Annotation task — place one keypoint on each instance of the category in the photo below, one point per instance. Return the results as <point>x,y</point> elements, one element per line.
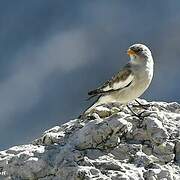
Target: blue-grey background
<point>52,52</point>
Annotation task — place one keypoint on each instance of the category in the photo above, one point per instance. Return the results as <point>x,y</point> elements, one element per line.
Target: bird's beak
<point>130,52</point>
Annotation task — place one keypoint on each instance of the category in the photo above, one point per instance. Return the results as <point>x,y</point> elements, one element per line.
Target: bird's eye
<point>138,50</point>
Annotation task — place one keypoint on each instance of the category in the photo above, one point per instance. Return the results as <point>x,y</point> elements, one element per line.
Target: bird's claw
<point>139,115</point>
<point>135,114</point>
<point>144,106</point>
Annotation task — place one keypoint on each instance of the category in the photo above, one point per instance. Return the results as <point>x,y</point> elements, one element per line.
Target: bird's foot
<point>144,106</point>
<point>134,113</point>
<point>140,115</point>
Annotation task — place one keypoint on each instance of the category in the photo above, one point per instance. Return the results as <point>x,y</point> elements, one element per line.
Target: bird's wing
<point>119,81</point>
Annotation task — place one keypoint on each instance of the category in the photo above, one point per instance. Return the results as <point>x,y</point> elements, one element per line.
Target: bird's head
<point>139,52</point>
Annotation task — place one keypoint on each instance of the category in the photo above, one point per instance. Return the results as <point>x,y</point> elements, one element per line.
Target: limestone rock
<point>109,144</point>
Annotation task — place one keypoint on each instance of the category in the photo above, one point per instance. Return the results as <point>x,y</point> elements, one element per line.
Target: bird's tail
<point>94,92</point>
<point>91,107</point>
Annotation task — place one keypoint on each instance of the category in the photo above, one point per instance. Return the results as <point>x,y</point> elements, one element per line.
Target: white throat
<point>133,59</point>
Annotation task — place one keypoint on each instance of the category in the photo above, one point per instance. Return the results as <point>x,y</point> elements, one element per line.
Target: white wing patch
<point>118,84</point>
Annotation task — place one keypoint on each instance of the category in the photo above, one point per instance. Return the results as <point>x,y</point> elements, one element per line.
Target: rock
<point>164,152</point>
<point>155,130</point>
<point>108,144</point>
<point>177,151</point>
<point>101,133</point>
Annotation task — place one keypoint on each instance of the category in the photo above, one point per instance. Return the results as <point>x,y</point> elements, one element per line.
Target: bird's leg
<point>135,114</point>
<point>141,116</point>
<point>144,106</point>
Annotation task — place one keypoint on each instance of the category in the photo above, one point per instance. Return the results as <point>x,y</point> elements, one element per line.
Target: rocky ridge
<point>109,143</point>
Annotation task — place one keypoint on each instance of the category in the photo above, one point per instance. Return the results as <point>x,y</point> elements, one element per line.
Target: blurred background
<point>53,52</point>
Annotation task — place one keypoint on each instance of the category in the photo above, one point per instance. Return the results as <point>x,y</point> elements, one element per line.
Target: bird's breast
<point>140,83</point>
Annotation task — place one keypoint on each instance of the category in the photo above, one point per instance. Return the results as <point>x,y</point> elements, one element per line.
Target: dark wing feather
<point>119,81</point>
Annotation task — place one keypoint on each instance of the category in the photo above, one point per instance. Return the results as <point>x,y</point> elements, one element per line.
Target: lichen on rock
<point>109,143</point>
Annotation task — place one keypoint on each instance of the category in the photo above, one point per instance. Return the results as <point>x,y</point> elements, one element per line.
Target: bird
<point>130,82</point>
